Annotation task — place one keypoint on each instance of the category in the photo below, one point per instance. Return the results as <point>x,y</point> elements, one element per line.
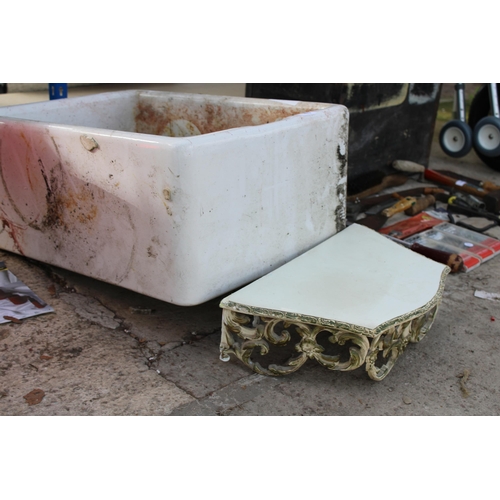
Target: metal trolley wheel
<point>486,136</point>
<point>455,138</point>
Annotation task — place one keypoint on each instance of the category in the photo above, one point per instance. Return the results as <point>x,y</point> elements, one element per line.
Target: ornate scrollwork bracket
<point>245,334</point>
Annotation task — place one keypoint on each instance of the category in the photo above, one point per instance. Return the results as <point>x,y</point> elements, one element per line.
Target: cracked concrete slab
<point>144,316</point>
<point>91,310</point>
<point>228,398</point>
<point>84,365</point>
<point>196,368</point>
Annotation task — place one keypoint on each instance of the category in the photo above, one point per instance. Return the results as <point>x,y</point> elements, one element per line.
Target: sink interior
<point>160,113</point>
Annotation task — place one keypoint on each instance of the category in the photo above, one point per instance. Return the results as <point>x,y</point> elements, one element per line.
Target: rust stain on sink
<point>14,233</point>
<point>65,205</point>
<point>64,208</point>
<point>40,193</point>
<point>177,120</point>
<point>45,201</point>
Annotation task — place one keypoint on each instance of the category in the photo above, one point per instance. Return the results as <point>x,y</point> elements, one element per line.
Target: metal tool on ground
<point>388,181</point>
<point>457,205</point>
<point>468,200</point>
<point>421,204</point>
<point>409,167</point>
<point>455,137</point>
<point>461,185</point>
<point>410,205</point>
<point>491,198</point>
<point>452,260</point>
<point>376,209</point>
<point>487,185</point>
<point>369,205</point>
<point>378,220</point>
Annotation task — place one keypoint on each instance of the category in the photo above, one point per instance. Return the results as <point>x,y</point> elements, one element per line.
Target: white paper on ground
<point>487,295</point>
<point>18,301</point>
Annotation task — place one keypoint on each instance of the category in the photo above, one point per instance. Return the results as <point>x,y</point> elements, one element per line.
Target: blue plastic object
<point>58,90</point>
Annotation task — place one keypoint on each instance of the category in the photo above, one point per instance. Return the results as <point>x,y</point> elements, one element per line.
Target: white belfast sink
<point>182,197</point>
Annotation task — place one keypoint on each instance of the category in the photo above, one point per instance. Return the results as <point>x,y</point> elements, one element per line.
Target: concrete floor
<point>97,356</point>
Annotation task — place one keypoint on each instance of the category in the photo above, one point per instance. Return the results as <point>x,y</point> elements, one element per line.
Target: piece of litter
<point>463,379</point>
<point>487,295</point>
<point>34,397</point>
<point>141,310</point>
<point>18,301</point>
<point>406,401</point>
<point>11,318</point>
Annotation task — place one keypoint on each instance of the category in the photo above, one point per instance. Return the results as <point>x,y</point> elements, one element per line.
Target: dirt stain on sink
<point>174,119</point>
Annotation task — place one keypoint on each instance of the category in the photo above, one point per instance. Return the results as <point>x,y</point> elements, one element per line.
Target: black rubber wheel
<point>455,138</point>
<point>486,136</point>
<point>479,109</point>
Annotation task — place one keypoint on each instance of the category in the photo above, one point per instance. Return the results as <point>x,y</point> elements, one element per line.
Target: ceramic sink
<point>182,197</point>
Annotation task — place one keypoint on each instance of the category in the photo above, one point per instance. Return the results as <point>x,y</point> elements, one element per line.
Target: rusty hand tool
<point>458,184</point>
<point>452,260</point>
<point>378,220</point>
<point>366,204</point>
<point>421,204</point>
<point>491,198</point>
<point>487,185</point>
<point>388,181</point>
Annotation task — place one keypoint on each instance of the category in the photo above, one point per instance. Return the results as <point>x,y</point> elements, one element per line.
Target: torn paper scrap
<point>18,301</point>
<point>487,295</point>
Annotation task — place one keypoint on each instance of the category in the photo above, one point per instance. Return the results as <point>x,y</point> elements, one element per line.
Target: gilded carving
<point>244,335</point>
